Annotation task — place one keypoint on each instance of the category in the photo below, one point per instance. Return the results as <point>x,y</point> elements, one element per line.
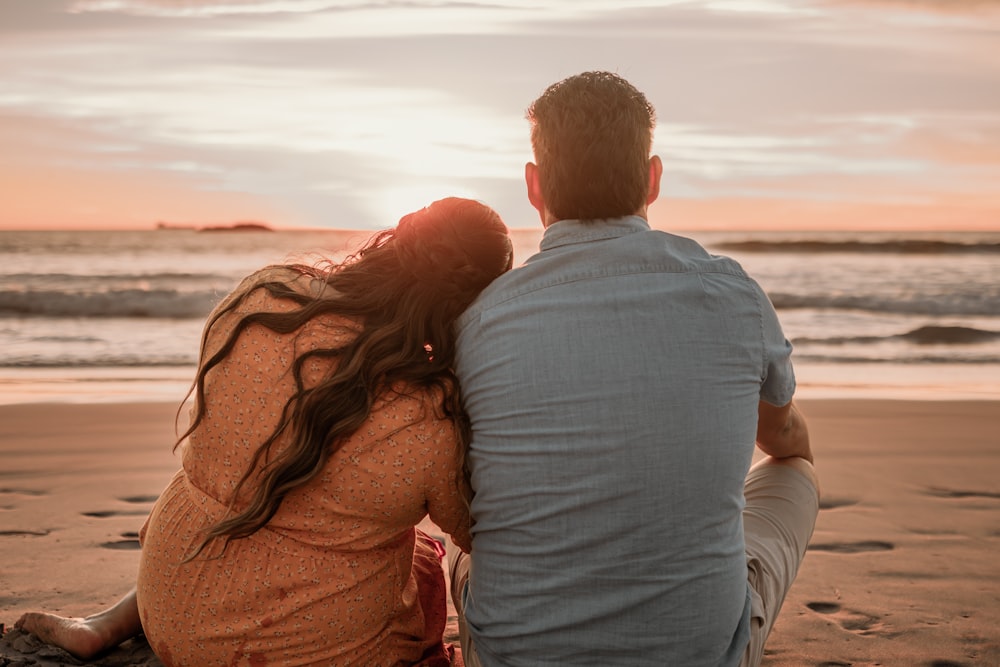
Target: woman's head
<point>454,247</point>
<point>417,278</point>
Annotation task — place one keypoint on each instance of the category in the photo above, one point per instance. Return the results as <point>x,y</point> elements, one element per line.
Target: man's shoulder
<point>648,251</point>
<point>658,251</point>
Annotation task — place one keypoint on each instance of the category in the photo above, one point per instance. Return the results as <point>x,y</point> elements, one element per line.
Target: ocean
<point>96,316</point>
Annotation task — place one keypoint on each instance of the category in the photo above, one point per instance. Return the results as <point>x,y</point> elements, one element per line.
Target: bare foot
<point>76,635</point>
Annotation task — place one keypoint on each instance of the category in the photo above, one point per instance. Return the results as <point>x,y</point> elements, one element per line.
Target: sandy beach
<point>902,568</point>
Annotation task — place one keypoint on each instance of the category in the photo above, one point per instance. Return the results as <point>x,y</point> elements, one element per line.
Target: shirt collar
<point>568,232</point>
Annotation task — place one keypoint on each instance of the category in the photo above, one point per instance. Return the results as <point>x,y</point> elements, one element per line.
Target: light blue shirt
<point>613,383</point>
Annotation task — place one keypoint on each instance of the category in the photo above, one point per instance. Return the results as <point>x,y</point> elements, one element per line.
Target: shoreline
<point>816,381</point>
<point>901,568</point>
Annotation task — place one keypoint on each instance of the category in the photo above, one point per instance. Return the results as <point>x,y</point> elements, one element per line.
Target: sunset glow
<point>773,114</point>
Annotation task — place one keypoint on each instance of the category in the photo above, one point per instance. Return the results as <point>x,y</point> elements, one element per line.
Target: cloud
<point>345,113</point>
<point>942,6</point>
<point>210,8</point>
<point>207,8</point>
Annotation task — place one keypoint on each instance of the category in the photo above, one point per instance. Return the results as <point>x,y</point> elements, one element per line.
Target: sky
<point>773,114</point>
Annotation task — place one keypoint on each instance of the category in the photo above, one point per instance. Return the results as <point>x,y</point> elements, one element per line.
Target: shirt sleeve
<point>447,491</point>
<point>777,375</point>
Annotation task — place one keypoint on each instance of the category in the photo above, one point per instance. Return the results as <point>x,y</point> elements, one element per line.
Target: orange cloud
<point>955,212</point>
<point>54,179</point>
<point>957,145</point>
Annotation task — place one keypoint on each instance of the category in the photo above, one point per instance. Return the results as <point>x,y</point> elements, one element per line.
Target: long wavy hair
<point>405,288</point>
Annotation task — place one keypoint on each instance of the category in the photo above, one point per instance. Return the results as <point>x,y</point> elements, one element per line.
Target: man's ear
<point>655,173</point>
<point>532,181</point>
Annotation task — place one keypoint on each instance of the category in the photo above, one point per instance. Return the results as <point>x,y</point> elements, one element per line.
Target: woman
<point>327,423</point>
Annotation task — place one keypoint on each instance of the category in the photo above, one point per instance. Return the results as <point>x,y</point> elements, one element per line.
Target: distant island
<point>235,227</point>
<point>238,227</point>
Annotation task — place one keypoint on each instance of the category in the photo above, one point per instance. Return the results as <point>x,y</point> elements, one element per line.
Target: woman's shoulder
<point>293,277</point>
<point>275,273</point>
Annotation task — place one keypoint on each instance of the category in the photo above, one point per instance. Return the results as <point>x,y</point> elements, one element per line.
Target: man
<point>616,385</point>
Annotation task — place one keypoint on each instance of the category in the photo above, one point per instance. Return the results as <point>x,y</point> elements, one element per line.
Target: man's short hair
<point>591,135</point>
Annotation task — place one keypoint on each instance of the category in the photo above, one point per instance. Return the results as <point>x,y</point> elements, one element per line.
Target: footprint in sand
<point>16,492</point>
<point>22,492</point>
<point>104,514</point>
<point>940,492</point>
<point>139,499</point>
<point>129,542</point>
<point>852,547</point>
<point>851,620</point>
<point>835,502</point>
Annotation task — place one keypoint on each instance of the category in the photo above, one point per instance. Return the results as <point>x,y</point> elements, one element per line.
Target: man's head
<point>591,135</point>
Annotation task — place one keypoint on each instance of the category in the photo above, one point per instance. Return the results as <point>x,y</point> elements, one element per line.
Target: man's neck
<point>549,219</point>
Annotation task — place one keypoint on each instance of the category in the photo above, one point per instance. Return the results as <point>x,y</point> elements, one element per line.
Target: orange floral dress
<point>340,575</point>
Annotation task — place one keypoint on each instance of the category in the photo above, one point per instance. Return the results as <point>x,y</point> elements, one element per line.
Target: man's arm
<point>782,432</point>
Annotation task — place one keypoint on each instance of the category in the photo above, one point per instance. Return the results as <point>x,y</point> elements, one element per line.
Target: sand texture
<point>902,569</point>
